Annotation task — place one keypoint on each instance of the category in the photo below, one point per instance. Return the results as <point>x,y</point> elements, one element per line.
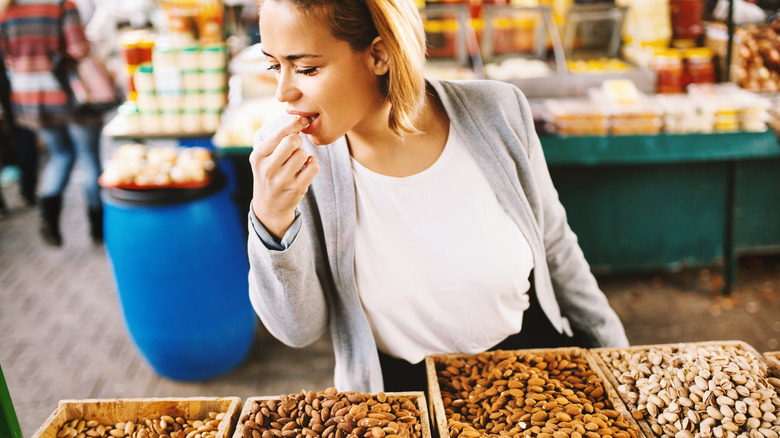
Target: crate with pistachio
<point>552,393</point>
<point>333,414</point>
<point>702,390</point>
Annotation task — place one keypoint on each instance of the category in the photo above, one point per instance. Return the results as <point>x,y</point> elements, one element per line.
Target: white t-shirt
<point>439,264</point>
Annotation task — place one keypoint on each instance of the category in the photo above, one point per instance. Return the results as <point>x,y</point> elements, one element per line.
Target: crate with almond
<point>334,414</point>
<point>703,389</point>
<point>551,393</point>
<point>197,417</point>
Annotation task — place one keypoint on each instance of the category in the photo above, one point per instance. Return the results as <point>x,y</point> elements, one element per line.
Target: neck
<point>374,145</point>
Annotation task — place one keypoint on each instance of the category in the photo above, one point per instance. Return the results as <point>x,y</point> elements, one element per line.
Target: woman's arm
<point>283,285</point>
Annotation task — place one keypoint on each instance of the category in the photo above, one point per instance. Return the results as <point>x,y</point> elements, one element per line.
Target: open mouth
<point>313,123</point>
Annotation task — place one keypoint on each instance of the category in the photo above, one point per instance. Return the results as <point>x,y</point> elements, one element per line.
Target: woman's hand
<point>282,174</point>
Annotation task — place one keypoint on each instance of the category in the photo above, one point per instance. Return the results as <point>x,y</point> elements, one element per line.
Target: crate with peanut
<point>706,389</point>
<point>333,414</point>
<point>196,417</point>
<point>553,393</point>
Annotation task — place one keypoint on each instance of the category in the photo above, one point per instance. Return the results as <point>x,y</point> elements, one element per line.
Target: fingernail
<point>305,120</point>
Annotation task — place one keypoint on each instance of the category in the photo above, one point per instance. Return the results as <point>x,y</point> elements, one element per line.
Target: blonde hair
<point>400,26</point>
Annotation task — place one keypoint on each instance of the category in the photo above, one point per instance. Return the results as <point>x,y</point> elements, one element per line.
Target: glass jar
<point>668,66</point>
<point>699,66</point>
<point>686,18</point>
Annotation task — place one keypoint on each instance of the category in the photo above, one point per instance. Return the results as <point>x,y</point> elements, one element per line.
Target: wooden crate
<point>417,396</point>
<point>112,411</point>
<point>773,359</point>
<point>597,354</point>
<point>436,403</point>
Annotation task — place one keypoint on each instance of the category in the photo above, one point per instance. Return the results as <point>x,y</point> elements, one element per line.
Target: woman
<point>407,216</point>
<point>34,34</point>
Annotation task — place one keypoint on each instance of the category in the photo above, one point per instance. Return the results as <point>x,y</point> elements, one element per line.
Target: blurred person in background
<point>34,35</point>
<point>20,145</point>
<point>406,216</point>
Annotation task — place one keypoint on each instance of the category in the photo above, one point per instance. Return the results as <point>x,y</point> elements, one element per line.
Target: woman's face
<point>318,75</point>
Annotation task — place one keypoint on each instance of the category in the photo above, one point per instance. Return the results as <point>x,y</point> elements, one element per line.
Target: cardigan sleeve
<point>284,288</point>
<point>576,290</point>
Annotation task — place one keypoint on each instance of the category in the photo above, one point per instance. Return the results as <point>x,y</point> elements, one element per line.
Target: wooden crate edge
<point>434,390</point>
<point>773,360</point>
<point>607,371</point>
<point>59,414</point>
<point>418,395</point>
<point>612,394</point>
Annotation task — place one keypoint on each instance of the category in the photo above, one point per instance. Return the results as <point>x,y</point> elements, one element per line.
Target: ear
<point>379,57</point>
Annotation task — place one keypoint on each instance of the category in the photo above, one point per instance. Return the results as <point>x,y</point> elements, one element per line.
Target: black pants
<point>537,332</point>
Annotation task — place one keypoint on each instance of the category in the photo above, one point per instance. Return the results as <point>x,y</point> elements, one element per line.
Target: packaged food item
<point>213,57</point>
<point>170,101</point>
<point>190,80</point>
<point>130,116</point>
<point>143,78</point>
<point>630,111</point>
<point>686,19</point>
<point>147,102</point>
<point>668,66</point>
<point>150,122</point>
<point>171,121</point>
<point>190,120</point>
<point>213,79</point>
<point>210,119</point>
<point>190,100</point>
<point>576,116</point>
<point>213,99</point>
<point>189,56</point>
<point>699,67</point>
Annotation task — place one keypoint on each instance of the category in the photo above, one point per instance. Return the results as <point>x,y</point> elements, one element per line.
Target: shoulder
<point>482,99</point>
<point>479,90</point>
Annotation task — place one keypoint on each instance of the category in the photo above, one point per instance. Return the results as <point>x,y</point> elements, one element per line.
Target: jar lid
<point>146,67</point>
<point>698,52</point>
<point>219,47</point>
<point>128,109</point>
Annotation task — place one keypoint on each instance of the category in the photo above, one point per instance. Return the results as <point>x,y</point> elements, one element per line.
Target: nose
<point>286,90</point>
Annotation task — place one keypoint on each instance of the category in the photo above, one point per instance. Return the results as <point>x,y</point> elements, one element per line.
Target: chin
<point>319,140</point>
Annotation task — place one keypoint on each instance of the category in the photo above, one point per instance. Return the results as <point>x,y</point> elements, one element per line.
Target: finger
<point>284,150</point>
<point>307,173</point>
<point>268,145</point>
<point>296,161</point>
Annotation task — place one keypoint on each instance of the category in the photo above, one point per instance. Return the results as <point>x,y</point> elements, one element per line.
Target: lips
<point>314,119</point>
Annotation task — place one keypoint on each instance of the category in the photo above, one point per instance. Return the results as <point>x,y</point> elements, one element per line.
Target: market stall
<point>714,388</point>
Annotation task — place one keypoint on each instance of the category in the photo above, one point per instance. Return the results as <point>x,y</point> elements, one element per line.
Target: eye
<point>307,71</point>
<point>273,67</point>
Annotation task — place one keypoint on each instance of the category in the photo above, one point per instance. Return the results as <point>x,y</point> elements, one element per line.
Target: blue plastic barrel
<point>180,265</point>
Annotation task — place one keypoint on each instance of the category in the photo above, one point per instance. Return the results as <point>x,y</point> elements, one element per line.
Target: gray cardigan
<point>308,287</point>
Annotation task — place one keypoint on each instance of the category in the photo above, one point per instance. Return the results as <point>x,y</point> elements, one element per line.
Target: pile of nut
<point>702,391</point>
<point>335,414</point>
<point>551,395</point>
<point>163,427</point>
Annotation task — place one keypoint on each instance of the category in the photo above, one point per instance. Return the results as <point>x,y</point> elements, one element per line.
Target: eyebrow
<point>293,57</point>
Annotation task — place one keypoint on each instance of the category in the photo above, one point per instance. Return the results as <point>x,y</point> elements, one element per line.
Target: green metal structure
<point>641,203</point>
<point>9,424</point>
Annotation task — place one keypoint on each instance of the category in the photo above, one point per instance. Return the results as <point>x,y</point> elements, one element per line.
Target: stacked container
<point>183,89</point>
